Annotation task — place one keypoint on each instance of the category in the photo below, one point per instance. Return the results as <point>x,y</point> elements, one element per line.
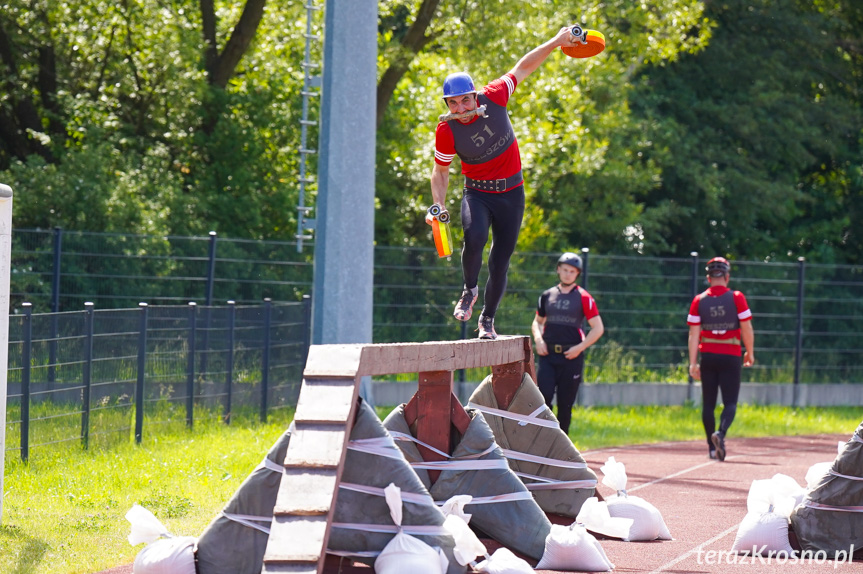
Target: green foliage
<point>726,127</point>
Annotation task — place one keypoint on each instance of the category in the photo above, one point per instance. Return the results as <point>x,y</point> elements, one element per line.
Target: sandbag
<point>830,518</point>
<point>367,465</point>
<point>164,553</point>
<point>406,553</point>
<point>517,522</point>
<point>647,521</point>
<point>231,546</point>
<point>167,556</point>
<point>573,548</point>
<point>553,470</point>
<point>503,561</point>
<point>765,527</point>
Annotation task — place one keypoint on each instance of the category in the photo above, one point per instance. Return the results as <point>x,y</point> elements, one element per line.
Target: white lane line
<point>695,550</point>
<point>708,463</point>
<point>676,474</point>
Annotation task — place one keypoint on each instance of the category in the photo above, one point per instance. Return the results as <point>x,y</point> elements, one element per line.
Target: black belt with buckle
<point>495,185</point>
<point>561,348</point>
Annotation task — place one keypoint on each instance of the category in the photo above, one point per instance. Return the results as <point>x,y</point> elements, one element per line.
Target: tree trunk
<point>411,44</point>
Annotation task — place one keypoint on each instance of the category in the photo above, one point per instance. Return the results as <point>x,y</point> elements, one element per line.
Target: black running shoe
<point>464,307</point>
<point>486,327</point>
<point>719,442</point>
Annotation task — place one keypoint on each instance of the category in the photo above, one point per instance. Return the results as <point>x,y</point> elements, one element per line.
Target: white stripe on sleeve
<point>443,157</point>
<point>693,319</point>
<point>745,315</point>
<point>510,86</point>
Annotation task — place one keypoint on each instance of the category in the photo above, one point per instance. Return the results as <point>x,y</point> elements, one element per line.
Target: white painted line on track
<point>695,550</point>
<point>710,462</point>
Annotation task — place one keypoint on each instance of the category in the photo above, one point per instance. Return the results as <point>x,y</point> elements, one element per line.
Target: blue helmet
<point>458,84</point>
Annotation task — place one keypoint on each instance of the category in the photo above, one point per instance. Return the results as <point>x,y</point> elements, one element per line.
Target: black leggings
<point>556,372</point>
<point>719,372</point>
<point>502,212</point>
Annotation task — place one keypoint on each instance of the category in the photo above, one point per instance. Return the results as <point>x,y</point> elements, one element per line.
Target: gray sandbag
<point>519,525</point>
<point>230,547</point>
<point>371,470</point>
<point>834,531</point>
<point>550,489</point>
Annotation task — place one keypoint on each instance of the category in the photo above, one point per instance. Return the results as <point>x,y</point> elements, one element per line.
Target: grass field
<point>63,512</point>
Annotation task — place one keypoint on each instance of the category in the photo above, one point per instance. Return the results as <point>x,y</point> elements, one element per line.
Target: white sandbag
<point>167,556</point>
<point>146,527</point>
<point>765,526</point>
<point>763,532</point>
<point>779,494</point>
<point>405,553</point>
<point>503,561</point>
<point>595,517</point>
<point>647,521</point>
<point>573,548</point>
<point>816,472</point>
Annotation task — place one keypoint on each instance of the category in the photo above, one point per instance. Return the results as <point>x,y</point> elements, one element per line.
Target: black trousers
<point>719,373</point>
<point>557,373</point>
<point>502,213</point>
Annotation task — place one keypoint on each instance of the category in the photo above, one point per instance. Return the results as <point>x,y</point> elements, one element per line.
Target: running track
<point>701,500</point>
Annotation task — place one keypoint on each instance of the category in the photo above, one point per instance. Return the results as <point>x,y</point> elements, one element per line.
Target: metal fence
<point>807,316</point>
<point>98,375</point>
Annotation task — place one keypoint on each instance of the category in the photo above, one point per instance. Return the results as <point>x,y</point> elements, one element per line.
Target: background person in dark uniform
<point>560,341</point>
<point>719,320</point>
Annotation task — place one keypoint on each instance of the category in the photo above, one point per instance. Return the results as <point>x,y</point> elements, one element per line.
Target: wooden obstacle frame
<point>325,413</point>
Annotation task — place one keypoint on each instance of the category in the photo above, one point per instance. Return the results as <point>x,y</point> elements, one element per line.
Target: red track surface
<point>701,500</point>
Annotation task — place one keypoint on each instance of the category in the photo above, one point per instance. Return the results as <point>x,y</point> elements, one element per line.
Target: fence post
<point>208,300</point>
<point>585,251</point>
<point>142,366</point>
<point>190,366</point>
<point>55,307</point>
<point>798,343</point>
<point>265,358</point>
<point>229,360</point>
<point>307,342</point>
<point>693,291</point>
<point>87,374</point>
<point>25,380</point>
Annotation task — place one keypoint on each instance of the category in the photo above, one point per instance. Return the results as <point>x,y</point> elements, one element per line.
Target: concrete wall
<point>599,394</point>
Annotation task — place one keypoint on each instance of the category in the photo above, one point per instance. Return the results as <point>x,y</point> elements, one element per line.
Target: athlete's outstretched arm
<point>532,60</point>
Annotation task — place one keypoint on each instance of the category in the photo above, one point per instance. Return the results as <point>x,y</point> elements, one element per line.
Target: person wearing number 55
<point>719,322</point>
<point>494,187</point>
<point>560,341</point>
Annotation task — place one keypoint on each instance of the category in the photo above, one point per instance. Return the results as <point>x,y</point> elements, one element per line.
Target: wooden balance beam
<point>325,413</point>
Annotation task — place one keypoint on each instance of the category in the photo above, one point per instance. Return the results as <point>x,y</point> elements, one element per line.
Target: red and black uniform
<point>564,316</point>
<point>719,311</point>
<point>494,187</point>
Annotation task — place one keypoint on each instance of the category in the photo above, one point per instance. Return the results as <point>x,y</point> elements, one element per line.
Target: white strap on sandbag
<point>551,484</point>
<point>270,465</point>
<point>466,462</point>
<point>456,464</point>
<point>383,446</point>
<point>819,506</point>
<point>834,473</point>
<point>412,497</point>
<point>856,438</point>
<point>250,521</point>
<point>527,457</point>
<point>410,438</point>
<point>412,529</point>
<point>507,497</point>
<point>523,420</point>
